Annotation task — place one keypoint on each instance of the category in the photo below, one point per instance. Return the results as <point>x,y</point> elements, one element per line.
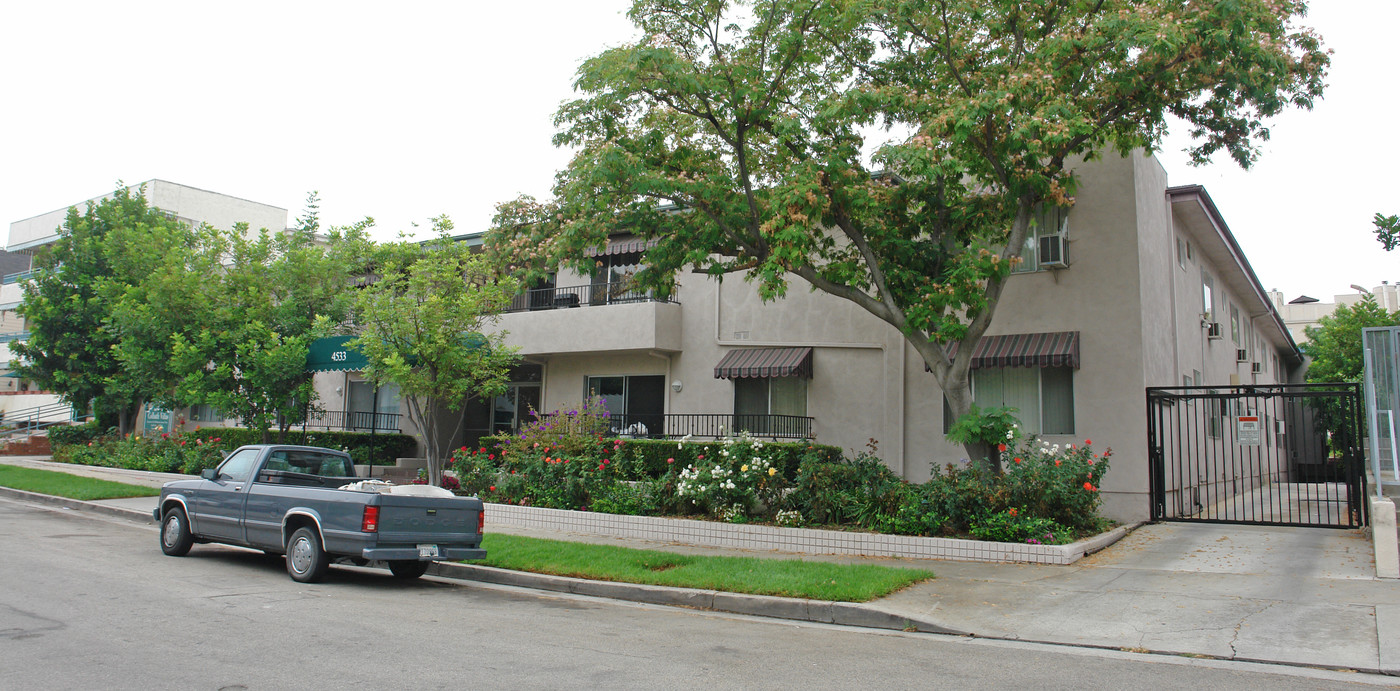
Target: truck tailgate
<point>419,523</point>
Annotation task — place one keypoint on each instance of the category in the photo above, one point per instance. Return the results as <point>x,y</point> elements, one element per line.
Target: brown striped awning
<point>622,247</point>
<point>1056,349</point>
<point>757,363</point>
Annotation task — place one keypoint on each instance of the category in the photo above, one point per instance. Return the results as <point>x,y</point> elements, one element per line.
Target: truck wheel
<point>175,537</point>
<point>306,559</point>
<point>408,568</point>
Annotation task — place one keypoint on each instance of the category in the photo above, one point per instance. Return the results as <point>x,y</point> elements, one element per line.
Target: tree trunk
<point>959,396</point>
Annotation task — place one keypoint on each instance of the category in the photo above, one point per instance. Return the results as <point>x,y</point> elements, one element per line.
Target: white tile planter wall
<point>796,540</point>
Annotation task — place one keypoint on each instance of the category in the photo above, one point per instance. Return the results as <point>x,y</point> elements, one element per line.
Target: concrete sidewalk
<point>1297,596</point>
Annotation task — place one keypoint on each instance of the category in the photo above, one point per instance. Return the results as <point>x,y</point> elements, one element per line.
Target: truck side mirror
<point>209,473</point>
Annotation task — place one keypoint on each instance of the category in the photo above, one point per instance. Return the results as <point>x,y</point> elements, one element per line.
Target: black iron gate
<point>1275,455</point>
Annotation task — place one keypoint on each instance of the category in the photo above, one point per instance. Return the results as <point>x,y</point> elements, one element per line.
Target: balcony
<point>591,318</point>
<point>708,425</point>
<point>354,421</point>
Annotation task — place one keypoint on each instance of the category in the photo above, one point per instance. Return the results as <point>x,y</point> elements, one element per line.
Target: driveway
<point>1297,595</point>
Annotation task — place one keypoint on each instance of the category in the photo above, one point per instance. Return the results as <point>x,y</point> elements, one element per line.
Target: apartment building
<point>190,205</point>
<point>1140,284</point>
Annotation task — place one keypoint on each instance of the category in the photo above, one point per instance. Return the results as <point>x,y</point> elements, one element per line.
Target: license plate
<point>427,551</point>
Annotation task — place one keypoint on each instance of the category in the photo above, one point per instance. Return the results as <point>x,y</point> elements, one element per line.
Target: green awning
<point>334,355</point>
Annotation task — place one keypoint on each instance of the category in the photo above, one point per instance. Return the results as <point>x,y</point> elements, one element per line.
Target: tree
<point>1335,343</point>
<point>74,347</point>
<point>275,294</point>
<point>756,122</point>
<point>1387,230</point>
<point>424,324</point>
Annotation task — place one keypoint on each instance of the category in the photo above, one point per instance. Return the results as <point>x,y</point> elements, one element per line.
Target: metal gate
<point>1272,455</point>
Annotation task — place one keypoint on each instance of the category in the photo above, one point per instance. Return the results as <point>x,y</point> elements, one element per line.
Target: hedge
<point>61,435</point>
<point>646,458</point>
<point>363,447</point>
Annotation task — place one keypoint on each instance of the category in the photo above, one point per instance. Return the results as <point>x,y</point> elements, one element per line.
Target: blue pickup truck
<point>305,502</point>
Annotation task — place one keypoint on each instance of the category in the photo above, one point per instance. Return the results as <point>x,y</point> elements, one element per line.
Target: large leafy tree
<point>274,294</point>
<point>1387,230</point>
<point>425,326</point>
<point>1335,343</point>
<point>892,152</point>
<point>79,283</point>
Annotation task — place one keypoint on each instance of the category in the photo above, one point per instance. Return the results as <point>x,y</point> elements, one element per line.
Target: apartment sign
<point>1247,430</point>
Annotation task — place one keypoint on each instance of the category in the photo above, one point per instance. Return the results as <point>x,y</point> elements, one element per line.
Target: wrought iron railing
<point>582,296</point>
<point>706,425</point>
<point>354,421</point>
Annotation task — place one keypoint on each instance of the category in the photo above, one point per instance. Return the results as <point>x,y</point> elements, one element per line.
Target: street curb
<point>78,505</point>
<point>820,611</point>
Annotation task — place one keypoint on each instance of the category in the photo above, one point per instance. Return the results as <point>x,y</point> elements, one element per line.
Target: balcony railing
<point>14,336</point>
<point>354,421</point>
<point>707,425</point>
<point>582,296</point>
<point>16,277</point>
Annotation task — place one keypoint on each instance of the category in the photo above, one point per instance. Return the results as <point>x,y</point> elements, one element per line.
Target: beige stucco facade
<point>1135,304</point>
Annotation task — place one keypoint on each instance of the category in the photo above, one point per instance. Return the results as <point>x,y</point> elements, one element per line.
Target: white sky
<point>404,111</point>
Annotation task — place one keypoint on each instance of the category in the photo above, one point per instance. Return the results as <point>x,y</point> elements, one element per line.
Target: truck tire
<point>175,537</point>
<point>408,568</point>
<point>307,560</point>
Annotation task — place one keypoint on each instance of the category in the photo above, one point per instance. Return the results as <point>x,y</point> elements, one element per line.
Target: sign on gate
<point>1247,431</point>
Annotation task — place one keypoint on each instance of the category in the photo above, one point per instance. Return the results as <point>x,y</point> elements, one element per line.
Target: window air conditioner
<point>1241,355</point>
<point>1052,251</point>
<point>1213,331</point>
<point>1256,367</point>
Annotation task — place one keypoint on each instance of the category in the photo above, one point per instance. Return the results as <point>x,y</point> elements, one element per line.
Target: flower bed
<point>1047,495</point>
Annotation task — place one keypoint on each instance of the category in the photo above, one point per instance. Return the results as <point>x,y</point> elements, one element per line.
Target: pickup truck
<point>304,502</point>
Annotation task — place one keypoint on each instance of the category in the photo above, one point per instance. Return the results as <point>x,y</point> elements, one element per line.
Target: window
<point>636,404</point>
<point>1196,377</point>
<point>1046,221</point>
<point>755,400</point>
<point>1235,323</point>
<point>1183,252</point>
<point>506,413</point>
<point>612,279</point>
<point>1207,297</point>
<point>239,466</point>
<point>366,408</point>
<point>1042,396</point>
<point>203,412</point>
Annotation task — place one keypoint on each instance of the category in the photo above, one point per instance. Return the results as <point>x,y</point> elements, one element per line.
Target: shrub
<point>363,447</point>
<point>737,477</point>
<point>1013,525</point>
<point>66,435</point>
<point>164,453</point>
<point>1060,484</point>
<point>843,491</point>
<point>641,459</point>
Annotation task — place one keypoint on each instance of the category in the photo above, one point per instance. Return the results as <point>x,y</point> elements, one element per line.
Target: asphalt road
<point>90,602</point>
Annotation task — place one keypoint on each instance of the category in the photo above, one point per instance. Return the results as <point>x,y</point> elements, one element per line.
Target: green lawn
<point>788,577</point>
<point>71,486</point>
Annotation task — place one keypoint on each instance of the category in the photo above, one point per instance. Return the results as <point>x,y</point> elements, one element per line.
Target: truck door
<point>219,509</point>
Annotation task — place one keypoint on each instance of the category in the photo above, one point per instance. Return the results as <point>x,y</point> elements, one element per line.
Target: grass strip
<point>66,485</point>
<point>814,580</point>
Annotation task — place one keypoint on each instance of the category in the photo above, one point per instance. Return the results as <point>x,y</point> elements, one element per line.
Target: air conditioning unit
<point>1052,251</point>
<point>1241,355</point>
<point>1256,367</point>
<point>1213,331</point>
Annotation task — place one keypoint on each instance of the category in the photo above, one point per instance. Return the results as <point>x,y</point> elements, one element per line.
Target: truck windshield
<point>310,463</point>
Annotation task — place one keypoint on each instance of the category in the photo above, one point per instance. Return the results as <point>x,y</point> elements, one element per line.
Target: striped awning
<point>755,363</point>
<point>622,247</point>
<point>1056,349</point>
